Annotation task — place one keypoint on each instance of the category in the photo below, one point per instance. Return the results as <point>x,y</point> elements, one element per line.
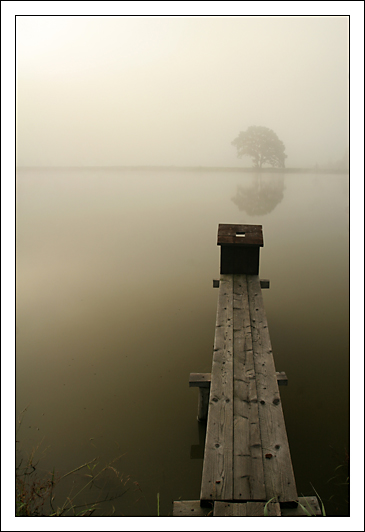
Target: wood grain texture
<point>247,454</point>
<point>200,380</point>
<point>257,509</point>
<point>310,503</point>
<point>229,509</point>
<point>190,509</point>
<point>245,509</point>
<point>227,234</point>
<point>278,470</point>
<point>282,378</point>
<point>217,481</point>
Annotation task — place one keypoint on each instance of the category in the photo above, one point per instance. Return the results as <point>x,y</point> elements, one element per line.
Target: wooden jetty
<point>247,468</point>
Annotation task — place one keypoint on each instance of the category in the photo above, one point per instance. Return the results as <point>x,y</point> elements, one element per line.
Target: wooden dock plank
<point>278,470</point>
<point>241,433</point>
<point>229,509</point>
<point>310,504</point>
<point>190,509</point>
<point>200,380</point>
<point>246,509</point>
<point>257,480</point>
<point>217,476</point>
<point>257,509</point>
<point>247,455</point>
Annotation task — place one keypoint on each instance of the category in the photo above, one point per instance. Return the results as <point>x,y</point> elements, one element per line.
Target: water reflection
<point>197,451</point>
<point>262,196</point>
<point>97,294</point>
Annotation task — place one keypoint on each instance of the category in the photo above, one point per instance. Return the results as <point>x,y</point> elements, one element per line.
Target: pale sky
<point>177,90</point>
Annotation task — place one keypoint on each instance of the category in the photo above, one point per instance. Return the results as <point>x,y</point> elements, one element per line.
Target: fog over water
<point>114,266</point>
<point>177,91</point>
<point>115,307</point>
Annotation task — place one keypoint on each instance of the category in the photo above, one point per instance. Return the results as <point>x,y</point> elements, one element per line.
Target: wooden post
<point>203,403</point>
<point>282,378</point>
<point>202,381</point>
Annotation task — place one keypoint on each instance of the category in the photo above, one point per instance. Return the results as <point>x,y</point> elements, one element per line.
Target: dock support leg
<point>203,403</point>
<point>202,381</point>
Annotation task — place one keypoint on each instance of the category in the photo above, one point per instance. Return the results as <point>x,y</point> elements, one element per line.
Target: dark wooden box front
<point>240,259</point>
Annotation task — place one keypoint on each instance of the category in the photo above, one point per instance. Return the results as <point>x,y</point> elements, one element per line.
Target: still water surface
<point>115,307</point>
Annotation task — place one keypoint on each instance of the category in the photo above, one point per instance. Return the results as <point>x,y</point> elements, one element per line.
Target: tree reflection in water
<point>262,196</point>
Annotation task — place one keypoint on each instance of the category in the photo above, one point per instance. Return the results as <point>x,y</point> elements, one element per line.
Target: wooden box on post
<point>240,248</point>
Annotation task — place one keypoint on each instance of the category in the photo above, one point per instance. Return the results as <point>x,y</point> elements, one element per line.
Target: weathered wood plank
<point>273,509</point>
<point>231,233</point>
<point>241,433</point>
<point>201,380</point>
<point>229,509</point>
<point>257,480</point>
<point>246,509</point>
<point>190,509</point>
<point>278,470</point>
<point>282,378</point>
<point>264,283</point>
<point>257,509</point>
<point>310,503</point>
<point>248,468</point>
<point>217,477</point>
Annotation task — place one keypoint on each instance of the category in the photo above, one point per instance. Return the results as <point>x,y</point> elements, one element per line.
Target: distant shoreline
<point>237,169</point>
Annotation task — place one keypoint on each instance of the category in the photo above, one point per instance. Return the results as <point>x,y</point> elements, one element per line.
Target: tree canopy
<point>262,145</point>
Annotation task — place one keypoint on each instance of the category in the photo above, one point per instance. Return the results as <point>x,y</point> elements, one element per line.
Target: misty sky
<point>177,91</point>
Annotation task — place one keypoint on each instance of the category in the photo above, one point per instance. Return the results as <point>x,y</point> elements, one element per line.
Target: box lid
<point>240,235</point>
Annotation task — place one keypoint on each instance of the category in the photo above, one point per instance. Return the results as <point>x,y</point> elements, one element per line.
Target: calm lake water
<point>115,307</point>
